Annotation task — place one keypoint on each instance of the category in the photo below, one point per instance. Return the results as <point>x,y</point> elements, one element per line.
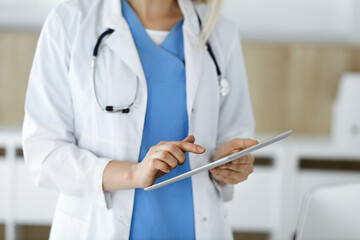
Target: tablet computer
<point>220,161</point>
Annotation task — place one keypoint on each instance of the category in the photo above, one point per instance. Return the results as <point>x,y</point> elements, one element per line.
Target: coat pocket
<point>66,226</point>
<point>71,218</point>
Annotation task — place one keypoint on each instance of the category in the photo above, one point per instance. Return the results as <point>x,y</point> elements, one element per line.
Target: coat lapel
<point>121,41</point>
<point>193,51</point>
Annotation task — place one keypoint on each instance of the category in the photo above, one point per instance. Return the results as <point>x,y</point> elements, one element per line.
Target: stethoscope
<point>224,86</point>
<point>108,109</point>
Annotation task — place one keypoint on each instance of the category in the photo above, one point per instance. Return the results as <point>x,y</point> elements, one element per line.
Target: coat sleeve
<point>236,118</point>
<point>50,150</point>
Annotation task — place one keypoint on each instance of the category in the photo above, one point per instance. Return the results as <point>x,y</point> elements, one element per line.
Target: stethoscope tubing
<point>110,109</point>
<point>224,86</point>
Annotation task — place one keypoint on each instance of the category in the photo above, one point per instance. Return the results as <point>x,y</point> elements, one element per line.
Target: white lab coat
<point>68,140</point>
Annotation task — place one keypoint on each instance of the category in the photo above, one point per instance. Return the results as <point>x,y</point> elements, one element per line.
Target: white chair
<point>331,212</point>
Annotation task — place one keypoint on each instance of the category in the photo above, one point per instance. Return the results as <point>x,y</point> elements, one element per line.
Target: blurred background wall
<point>295,54</point>
<point>289,81</point>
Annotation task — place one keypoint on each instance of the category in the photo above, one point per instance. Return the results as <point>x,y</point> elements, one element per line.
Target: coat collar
<point>122,43</point>
<point>113,18</point>
<point>193,51</point>
<point>112,14</point>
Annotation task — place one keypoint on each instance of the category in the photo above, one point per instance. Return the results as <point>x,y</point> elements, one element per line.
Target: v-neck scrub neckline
<point>170,43</point>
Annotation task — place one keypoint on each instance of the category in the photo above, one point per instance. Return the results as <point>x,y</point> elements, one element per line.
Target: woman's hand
<point>159,160</point>
<point>162,158</point>
<point>237,170</point>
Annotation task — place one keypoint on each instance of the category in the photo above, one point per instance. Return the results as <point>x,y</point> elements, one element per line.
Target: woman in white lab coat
<point>99,161</point>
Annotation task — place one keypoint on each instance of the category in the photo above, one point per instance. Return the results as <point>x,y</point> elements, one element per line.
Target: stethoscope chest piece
<point>224,86</point>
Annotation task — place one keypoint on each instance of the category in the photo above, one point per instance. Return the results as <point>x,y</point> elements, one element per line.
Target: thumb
<point>190,139</point>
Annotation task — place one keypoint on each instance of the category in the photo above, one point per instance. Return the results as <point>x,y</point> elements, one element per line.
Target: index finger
<point>190,147</point>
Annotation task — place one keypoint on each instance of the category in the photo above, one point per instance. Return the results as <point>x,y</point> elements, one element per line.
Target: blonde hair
<point>212,13</point>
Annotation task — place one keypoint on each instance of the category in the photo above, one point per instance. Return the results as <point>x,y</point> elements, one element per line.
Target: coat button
<point>193,110</point>
<point>204,219</point>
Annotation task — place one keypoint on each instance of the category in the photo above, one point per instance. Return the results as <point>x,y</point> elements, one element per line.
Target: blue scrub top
<point>168,212</point>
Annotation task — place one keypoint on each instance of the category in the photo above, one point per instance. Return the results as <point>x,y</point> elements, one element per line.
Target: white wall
<point>269,20</point>
<point>24,14</point>
<point>296,20</point>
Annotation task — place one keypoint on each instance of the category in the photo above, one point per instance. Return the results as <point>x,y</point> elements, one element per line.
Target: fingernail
<point>201,149</point>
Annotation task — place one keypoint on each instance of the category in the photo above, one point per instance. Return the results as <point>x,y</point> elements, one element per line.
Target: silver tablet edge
<point>220,161</point>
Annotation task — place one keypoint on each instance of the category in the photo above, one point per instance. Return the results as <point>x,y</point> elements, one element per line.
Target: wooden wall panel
<point>292,85</point>
<point>314,73</point>
<point>16,55</point>
<point>2,232</point>
<point>267,68</point>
